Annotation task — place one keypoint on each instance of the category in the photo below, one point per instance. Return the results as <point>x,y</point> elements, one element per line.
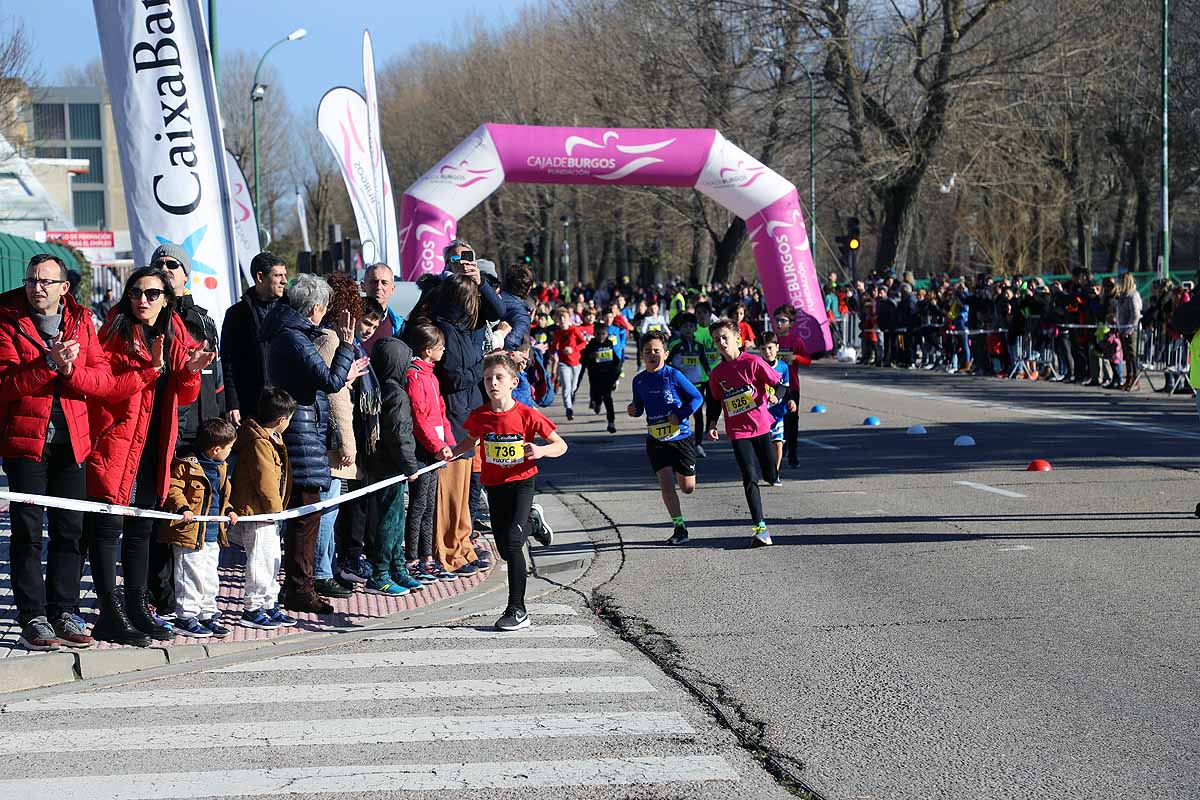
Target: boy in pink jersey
<point>742,388</point>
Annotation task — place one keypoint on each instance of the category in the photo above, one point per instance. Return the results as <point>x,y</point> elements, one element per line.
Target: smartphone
<point>466,255</point>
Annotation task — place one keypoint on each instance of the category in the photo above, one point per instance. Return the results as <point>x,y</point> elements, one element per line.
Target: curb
<point>567,559</point>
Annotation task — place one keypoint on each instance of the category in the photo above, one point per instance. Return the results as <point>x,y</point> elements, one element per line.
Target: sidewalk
<point>565,561</point>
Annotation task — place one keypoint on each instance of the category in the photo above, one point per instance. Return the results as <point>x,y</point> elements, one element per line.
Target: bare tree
<point>19,73</point>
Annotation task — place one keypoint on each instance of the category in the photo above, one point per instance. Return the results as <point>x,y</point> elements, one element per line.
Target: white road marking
<point>533,632</point>
<point>429,658</point>
<point>548,609</point>
<point>1033,412</point>
<point>983,487</point>
<point>370,779</point>
<point>1014,548</point>
<point>334,693</point>
<point>821,445</point>
<point>360,730</point>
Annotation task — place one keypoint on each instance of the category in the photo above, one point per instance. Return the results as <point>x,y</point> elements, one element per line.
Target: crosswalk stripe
<point>368,779</point>
<point>429,658</point>
<point>534,632</point>
<point>547,609</point>
<point>367,730</point>
<point>334,693</point>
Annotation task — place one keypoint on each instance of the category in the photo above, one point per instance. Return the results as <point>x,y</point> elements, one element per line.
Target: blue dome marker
<point>818,409</point>
<point>872,421</point>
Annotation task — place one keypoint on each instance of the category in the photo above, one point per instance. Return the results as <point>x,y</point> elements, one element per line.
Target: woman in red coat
<point>156,368</point>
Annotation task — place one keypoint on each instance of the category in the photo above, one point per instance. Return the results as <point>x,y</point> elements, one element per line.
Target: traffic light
<point>528,257</point>
<point>853,234</point>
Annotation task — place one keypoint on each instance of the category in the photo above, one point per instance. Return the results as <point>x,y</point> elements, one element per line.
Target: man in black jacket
<point>243,354</point>
<point>174,260</point>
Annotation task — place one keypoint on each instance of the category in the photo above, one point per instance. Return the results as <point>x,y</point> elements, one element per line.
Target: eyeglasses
<point>151,295</point>
<point>166,263</point>
<point>44,283</point>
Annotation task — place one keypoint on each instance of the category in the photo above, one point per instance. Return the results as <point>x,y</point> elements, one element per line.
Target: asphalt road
<point>933,621</point>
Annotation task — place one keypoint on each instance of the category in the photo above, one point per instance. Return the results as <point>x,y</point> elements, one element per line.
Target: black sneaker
<point>328,587</point>
<point>215,627</point>
<point>612,427</point>
<point>540,530</point>
<point>570,415</point>
<point>680,536</point>
<point>513,620</point>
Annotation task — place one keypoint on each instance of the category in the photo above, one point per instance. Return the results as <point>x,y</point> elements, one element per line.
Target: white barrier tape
<point>92,507</point>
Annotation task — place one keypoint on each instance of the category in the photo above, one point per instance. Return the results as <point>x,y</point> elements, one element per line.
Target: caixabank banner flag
<point>168,132</point>
<point>245,223</point>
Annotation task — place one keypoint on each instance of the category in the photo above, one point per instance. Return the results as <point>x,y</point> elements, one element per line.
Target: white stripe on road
<point>359,730</point>
<point>535,632</point>
<point>370,779</point>
<point>548,609</point>
<point>821,445</point>
<point>429,658</point>
<point>334,693</point>
<point>1033,412</point>
<point>983,487</point>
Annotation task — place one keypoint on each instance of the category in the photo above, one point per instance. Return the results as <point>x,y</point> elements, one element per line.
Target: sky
<point>64,34</point>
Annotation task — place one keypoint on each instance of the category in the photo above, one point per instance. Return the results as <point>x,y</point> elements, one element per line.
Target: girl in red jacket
<point>156,368</point>
<point>431,429</point>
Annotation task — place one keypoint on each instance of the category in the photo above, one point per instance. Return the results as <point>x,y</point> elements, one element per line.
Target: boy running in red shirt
<point>507,430</point>
<point>743,387</point>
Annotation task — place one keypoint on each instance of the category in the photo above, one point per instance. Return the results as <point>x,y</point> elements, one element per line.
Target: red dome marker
<point>1039,465</point>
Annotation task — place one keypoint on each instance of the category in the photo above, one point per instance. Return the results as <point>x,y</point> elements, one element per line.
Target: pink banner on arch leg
<point>779,241</point>
<point>427,230</point>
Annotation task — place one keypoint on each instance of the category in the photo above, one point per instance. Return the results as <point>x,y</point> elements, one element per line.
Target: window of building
<point>89,209</point>
<point>95,157</point>
<point>85,120</point>
<point>49,121</point>
<point>53,151</point>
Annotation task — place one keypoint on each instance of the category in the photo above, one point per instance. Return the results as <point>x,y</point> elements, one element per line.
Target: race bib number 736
<point>504,449</point>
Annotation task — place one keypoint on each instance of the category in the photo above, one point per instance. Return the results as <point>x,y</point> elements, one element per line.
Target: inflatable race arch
<point>684,157</point>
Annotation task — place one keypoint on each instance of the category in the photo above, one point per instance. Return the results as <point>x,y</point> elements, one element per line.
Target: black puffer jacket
<point>293,364</point>
<point>211,402</point>
<point>397,451</point>
<point>459,374</point>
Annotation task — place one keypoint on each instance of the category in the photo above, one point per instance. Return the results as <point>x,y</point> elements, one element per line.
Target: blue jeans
<point>323,555</point>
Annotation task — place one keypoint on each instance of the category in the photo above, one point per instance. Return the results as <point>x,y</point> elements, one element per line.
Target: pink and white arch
<point>695,158</point>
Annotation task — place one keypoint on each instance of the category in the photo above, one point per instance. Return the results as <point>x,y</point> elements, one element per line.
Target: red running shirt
<point>571,338</point>
<point>502,437</point>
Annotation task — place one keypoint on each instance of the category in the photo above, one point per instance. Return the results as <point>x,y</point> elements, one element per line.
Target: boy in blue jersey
<point>668,400</point>
<point>769,343</point>
<point>688,354</point>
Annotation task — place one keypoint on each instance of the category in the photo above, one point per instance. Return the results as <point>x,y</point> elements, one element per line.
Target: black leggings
<point>418,527</point>
<point>109,534</point>
<point>511,504</point>
<point>698,418</point>
<point>791,431</point>
<point>756,459</point>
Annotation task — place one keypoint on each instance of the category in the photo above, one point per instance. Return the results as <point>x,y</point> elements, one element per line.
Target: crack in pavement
<point>750,732</point>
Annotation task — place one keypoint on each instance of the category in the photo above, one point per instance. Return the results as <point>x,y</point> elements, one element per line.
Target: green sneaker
<point>401,577</point>
<point>762,538</point>
<point>385,586</point>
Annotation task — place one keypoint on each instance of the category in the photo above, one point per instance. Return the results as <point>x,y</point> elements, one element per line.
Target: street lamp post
<point>812,174</point>
<point>257,92</point>
<point>1164,267</point>
<point>566,256</point>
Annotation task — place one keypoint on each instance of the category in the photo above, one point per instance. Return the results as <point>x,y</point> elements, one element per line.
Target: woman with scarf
<point>156,368</point>
<point>360,415</point>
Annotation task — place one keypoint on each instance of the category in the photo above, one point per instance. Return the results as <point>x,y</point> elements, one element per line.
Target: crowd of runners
<point>316,386</point>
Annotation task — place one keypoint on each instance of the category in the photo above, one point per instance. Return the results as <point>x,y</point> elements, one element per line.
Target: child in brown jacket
<point>262,484</point>
<point>199,487</point>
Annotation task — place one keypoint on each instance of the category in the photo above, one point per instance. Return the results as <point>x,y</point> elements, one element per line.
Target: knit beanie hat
<point>172,250</point>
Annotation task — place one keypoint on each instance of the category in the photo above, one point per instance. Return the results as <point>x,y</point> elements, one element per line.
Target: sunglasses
<point>151,295</point>
<point>167,264</point>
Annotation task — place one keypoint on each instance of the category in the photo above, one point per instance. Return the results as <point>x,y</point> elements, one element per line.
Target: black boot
<point>137,603</point>
<point>113,624</point>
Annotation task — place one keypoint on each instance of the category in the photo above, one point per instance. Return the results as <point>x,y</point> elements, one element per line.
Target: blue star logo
<point>190,245</point>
